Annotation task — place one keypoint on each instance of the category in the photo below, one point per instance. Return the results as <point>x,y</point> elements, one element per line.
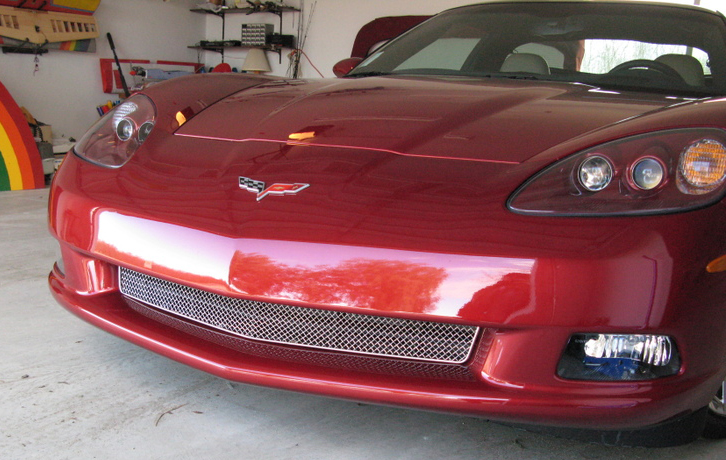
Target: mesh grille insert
<point>308,327</point>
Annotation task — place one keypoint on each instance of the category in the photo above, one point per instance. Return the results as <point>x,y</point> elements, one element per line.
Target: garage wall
<point>333,27</point>
<point>67,87</point>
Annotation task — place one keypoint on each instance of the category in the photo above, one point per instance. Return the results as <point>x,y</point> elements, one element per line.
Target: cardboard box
<point>46,133</point>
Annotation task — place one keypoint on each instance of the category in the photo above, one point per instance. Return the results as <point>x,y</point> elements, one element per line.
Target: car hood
<point>493,120</point>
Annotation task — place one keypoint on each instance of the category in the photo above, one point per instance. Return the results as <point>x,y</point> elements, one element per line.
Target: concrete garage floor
<point>71,391</point>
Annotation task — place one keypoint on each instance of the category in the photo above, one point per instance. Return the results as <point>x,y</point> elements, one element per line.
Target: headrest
<point>526,62</point>
<point>687,67</point>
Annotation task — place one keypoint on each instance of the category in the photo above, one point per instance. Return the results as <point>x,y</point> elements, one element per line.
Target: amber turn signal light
<point>717,265</point>
<point>702,167</point>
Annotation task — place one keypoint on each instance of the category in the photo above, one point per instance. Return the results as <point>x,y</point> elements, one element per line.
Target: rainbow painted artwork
<point>20,167</point>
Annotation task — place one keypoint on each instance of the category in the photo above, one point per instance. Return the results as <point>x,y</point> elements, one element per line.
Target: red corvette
<point>515,210</point>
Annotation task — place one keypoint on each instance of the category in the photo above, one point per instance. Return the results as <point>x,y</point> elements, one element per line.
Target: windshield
<point>645,47</point>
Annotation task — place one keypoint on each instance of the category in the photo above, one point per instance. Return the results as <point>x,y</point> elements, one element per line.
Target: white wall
<point>333,28</point>
<point>67,88</point>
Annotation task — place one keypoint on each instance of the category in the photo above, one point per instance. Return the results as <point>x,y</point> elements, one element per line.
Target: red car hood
<point>494,120</point>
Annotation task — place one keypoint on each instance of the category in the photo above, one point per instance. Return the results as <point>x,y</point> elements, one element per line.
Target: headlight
<point>115,137</point>
<point>663,172</point>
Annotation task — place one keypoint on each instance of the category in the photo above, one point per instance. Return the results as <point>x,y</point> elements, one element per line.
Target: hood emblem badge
<point>258,187</point>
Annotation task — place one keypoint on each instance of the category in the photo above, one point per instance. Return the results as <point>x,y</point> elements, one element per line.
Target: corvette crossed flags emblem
<point>258,187</point>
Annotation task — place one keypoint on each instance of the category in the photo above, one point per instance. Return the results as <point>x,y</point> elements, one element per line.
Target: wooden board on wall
<point>41,27</point>
<point>61,6</point>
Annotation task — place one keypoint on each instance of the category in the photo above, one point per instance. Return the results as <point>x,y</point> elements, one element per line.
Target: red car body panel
<point>437,119</point>
<point>405,216</point>
<point>557,284</point>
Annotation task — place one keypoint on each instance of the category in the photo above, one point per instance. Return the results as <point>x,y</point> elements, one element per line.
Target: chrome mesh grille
<point>308,327</point>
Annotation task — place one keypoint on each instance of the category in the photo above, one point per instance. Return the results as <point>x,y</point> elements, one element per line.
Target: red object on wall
<point>112,81</point>
<point>382,29</point>
<point>110,76</point>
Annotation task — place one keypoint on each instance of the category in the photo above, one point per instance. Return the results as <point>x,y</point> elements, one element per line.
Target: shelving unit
<point>279,12</point>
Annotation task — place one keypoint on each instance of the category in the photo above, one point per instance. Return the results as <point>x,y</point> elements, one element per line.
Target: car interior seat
<point>687,67</point>
<point>525,62</point>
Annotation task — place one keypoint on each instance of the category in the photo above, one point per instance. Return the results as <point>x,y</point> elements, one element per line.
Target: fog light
<point>595,173</point>
<point>619,357</point>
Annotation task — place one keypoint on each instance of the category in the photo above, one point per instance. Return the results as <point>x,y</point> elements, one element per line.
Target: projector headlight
<point>595,173</point>
<point>648,173</point>
<point>114,139</point>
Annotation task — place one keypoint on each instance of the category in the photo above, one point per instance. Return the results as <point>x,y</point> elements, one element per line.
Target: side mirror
<point>342,68</point>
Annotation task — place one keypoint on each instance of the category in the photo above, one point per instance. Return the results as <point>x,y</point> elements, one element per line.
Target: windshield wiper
<point>448,73</point>
<point>517,76</point>
<point>367,74</point>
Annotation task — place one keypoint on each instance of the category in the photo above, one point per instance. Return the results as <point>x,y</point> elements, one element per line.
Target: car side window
<point>603,55</point>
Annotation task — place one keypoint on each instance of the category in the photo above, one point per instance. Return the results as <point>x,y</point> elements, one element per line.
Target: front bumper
<point>510,376</point>
<point>646,281</point>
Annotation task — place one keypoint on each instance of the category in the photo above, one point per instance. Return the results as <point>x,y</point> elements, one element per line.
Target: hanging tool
<point>118,64</point>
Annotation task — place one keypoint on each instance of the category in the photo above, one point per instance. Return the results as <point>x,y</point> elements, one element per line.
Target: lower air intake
<point>306,327</point>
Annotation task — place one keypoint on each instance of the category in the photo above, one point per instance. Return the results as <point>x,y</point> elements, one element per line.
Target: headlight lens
<point>648,173</point>
<point>114,139</point>
<point>595,173</point>
<point>125,129</point>
<point>663,172</point>
<point>145,130</point>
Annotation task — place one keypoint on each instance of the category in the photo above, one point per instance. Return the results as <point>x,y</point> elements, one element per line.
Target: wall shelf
<point>222,13</point>
<point>222,48</point>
